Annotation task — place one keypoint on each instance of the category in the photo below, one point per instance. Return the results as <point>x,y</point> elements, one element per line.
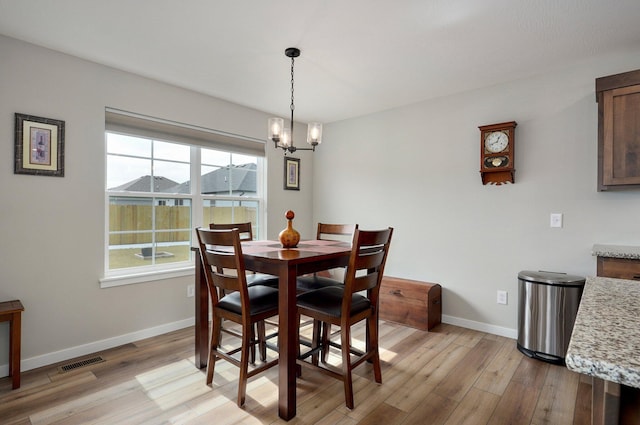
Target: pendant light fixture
<point>283,137</point>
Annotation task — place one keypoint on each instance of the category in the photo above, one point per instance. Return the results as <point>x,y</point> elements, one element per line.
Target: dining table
<point>269,257</point>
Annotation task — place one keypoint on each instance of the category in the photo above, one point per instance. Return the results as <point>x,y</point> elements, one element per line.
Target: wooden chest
<point>410,302</point>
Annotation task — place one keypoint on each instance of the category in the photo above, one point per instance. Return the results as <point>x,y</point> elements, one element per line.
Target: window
<point>158,190</point>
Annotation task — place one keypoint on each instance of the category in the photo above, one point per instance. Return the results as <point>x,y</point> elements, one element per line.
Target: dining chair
<point>248,306</point>
<point>346,306</point>
<point>246,234</point>
<point>326,231</point>
<point>340,232</point>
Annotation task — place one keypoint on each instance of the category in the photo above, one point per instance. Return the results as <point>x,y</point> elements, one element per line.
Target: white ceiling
<point>358,56</point>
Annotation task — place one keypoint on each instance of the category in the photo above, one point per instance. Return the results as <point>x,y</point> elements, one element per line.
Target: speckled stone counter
<point>616,251</point>
<point>605,342</point>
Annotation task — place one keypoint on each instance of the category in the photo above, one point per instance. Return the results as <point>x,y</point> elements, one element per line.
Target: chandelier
<point>283,137</point>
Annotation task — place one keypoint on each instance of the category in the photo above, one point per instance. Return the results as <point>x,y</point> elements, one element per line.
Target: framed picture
<point>291,173</point>
<point>39,146</point>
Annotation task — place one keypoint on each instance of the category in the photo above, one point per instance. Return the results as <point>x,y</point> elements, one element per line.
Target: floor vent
<point>79,364</point>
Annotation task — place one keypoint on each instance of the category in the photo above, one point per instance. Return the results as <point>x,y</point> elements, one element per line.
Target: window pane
<point>172,214</point>
<point>237,159</point>
<point>215,181</point>
<point>221,211</point>
<point>128,145</point>
<point>235,180</point>
<point>128,174</point>
<point>132,240</point>
<point>213,157</point>
<point>171,177</point>
<point>129,214</point>
<point>171,151</point>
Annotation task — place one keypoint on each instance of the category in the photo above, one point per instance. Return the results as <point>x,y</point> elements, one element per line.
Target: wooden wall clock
<point>497,153</point>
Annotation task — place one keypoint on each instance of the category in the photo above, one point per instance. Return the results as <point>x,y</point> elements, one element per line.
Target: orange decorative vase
<point>289,237</point>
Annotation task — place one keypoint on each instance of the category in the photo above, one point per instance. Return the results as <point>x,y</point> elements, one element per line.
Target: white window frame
<point>126,276</point>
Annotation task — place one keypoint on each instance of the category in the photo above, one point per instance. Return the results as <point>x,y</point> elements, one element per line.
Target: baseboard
<point>96,346</point>
<point>480,326</point>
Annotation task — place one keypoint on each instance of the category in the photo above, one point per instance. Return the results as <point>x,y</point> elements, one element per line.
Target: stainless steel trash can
<point>547,307</point>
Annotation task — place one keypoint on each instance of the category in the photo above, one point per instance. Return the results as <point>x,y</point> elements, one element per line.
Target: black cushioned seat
<point>309,283</point>
<point>328,300</point>
<point>262,279</point>
<point>261,299</point>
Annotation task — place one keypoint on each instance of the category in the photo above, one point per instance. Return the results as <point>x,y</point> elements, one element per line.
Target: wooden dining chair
<point>246,234</point>
<point>345,306</point>
<point>340,232</point>
<point>248,306</point>
<point>245,229</point>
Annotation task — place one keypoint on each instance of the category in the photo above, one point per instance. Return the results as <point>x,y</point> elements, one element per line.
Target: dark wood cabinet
<point>619,268</point>
<point>618,98</point>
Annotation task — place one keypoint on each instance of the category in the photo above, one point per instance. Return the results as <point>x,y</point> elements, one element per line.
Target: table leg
<point>287,327</point>
<point>14,349</point>
<point>202,315</point>
<point>605,402</point>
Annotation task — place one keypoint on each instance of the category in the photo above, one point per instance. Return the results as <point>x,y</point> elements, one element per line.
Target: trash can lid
<point>551,278</point>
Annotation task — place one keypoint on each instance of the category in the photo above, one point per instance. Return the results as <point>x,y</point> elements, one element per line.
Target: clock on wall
<point>497,153</point>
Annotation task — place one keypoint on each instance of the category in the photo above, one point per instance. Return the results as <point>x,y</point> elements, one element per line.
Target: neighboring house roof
<point>143,184</point>
<point>242,177</point>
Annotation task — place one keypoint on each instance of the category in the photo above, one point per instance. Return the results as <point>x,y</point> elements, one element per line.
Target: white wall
<point>416,168</point>
<point>53,228</point>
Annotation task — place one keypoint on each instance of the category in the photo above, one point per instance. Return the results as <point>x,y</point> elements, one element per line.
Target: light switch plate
<point>502,297</point>
<point>556,220</point>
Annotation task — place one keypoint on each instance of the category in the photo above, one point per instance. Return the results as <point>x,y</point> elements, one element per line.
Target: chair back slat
<point>363,283</point>
<point>366,264</point>
<point>245,229</point>
<point>222,261</point>
<point>335,231</point>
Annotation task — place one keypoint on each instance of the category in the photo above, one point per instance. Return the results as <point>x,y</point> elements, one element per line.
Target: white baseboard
<point>480,326</point>
<point>96,346</point>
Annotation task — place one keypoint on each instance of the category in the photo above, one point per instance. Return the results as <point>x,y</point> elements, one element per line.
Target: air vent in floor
<point>79,364</point>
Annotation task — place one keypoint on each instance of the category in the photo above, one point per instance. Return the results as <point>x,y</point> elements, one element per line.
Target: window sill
<point>129,279</point>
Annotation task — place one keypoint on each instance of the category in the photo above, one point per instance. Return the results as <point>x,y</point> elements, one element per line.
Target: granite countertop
<point>617,251</point>
<point>605,342</point>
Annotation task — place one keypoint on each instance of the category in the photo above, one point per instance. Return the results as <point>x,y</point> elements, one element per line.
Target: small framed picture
<point>291,173</point>
<point>39,146</point>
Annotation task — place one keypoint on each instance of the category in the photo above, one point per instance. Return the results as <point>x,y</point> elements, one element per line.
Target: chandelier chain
<point>292,104</point>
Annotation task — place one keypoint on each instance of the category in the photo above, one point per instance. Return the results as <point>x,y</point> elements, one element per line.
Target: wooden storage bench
<point>411,302</point>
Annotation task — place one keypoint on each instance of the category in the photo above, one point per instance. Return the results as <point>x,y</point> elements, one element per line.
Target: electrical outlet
<point>191,290</point>
<point>556,220</point>
<point>502,297</point>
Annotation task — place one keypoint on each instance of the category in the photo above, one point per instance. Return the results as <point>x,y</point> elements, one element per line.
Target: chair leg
<point>215,341</point>
<point>315,340</point>
<point>262,340</point>
<point>252,345</point>
<point>346,365</point>
<point>372,339</point>
<point>326,335</point>
<point>244,363</point>
<point>297,343</point>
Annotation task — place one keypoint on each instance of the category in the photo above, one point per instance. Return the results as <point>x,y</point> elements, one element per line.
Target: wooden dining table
<point>287,263</point>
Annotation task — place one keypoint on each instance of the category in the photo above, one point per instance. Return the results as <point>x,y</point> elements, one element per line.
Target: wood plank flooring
<point>450,375</point>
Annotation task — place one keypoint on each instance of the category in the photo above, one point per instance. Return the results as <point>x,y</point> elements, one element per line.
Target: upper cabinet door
<point>618,99</point>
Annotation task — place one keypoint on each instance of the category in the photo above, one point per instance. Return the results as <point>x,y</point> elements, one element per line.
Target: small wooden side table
<point>12,311</point>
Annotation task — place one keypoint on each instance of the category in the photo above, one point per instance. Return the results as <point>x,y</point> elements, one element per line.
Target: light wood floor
<point>450,375</point>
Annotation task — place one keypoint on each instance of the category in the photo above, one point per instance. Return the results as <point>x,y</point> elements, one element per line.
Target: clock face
<point>496,141</point>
